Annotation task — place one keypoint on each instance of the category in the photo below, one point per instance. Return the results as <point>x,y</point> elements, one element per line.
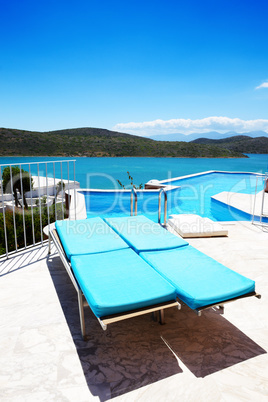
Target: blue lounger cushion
<point>87,236</point>
<point>119,281</point>
<point>199,280</point>
<point>142,234</point>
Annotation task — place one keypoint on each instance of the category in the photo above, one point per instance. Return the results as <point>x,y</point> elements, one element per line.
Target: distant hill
<point>214,135</point>
<point>99,142</point>
<point>89,131</point>
<point>239,143</point>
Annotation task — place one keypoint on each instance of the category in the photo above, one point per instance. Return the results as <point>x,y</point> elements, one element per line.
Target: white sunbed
<point>191,225</point>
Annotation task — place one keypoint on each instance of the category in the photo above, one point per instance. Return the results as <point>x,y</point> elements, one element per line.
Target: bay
<point>103,173</point>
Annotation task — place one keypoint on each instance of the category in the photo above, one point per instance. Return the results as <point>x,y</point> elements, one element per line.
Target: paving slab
<point>215,357</point>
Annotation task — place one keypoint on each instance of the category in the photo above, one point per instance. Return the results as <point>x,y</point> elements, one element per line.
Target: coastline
<point>112,157</point>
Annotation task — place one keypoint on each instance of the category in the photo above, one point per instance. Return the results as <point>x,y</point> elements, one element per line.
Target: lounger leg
<point>161,317</point>
<point>49,243</point>
<point>81,314</point>
<point>154,315</point>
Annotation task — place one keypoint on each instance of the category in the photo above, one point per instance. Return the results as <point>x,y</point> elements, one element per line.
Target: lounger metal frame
<point>221,304</point>
<point>104,321</point>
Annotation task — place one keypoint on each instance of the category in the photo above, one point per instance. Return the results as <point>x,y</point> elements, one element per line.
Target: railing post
<point>62,209</point>
<point>4,213</point>
<point>55,189</point>
<point>69,201</point>
<point>40,205</point>
<point>23,215</point>
<point>48,211</point>
<point>253,212</point>
<point>263,195</point>
<point>74,194</point>
<point>31,192</point>
<point>13,208</point>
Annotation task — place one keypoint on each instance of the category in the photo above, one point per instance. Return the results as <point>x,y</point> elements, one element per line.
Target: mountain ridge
<point>95,142</point>
<point>245,144</point>
<point>215,135</point>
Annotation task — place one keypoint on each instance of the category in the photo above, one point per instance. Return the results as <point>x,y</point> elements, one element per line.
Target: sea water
<point>103,173</point>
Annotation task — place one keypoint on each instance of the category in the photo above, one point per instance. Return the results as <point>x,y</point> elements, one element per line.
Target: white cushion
<point>191,225</point>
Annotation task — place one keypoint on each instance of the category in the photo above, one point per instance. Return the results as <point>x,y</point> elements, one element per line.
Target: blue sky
<point>142,67</point>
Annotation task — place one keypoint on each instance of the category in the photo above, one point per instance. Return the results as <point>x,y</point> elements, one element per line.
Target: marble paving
<point>245,202</point>
<point>215,357</point>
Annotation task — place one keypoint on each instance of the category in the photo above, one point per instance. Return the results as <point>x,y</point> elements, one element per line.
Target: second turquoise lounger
<point>200,281</point>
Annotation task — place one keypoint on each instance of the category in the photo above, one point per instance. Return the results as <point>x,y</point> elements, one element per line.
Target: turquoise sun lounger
<point>200,281</point>
<point>115,281</point>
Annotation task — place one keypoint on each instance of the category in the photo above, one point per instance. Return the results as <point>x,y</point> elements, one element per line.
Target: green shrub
<point>28,226</point>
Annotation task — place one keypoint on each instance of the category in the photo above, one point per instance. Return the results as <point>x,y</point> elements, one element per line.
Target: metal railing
<point>133,191</point>
<point>162,191</point>
<point>32,196</point>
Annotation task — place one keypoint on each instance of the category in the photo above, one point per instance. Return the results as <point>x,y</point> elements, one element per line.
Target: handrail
<point>39,162</point>
<point>4,214</point>
<point>131,201</point>
<point>165,206</point>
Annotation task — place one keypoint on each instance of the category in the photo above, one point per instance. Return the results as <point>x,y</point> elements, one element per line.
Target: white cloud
<point>188,126</point>
<point>263,85</point>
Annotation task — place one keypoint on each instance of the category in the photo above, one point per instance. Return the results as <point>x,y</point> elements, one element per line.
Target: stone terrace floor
<point>214,357</point>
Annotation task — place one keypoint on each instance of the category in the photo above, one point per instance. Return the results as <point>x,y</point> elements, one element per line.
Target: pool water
<point>193,195</point>
<point>117,203</point>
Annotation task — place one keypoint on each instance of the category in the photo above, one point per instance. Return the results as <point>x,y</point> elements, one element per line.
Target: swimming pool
<point>190,194</point>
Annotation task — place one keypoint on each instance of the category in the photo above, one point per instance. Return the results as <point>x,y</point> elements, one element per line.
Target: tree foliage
<point>94,142</point>
<point>59,187</point>
<point>16,180</point>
